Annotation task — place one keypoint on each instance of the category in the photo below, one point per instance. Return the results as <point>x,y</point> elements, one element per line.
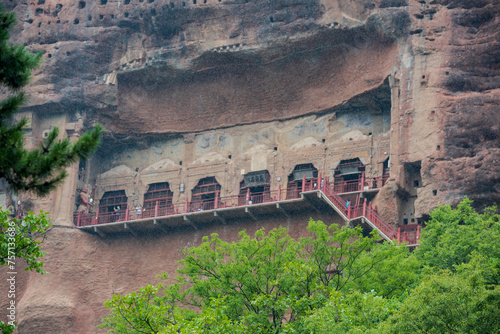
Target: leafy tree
<point>20,239</point>
<point>448,285</point>
<point>333,281</point>
<point>265,284</point>
<point>354,312</point>
<point>393,271</point>
<point>453,237</point>
<point>448,303</point>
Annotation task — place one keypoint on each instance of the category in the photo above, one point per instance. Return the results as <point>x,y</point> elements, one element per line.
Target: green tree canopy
<point>333,281</point>
<point>265,283</point>
<point>453,237</point>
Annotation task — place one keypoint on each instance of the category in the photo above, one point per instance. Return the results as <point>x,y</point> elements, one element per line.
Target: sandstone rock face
<point>186,88</point>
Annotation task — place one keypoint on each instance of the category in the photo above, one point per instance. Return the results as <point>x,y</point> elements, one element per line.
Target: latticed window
<point>112,206</point>
<point>158,197</point>
<point>296,177</point>
<point>348,176</point>
<point>204,194</point>
<point>255,188</point>
<point>112,199</point>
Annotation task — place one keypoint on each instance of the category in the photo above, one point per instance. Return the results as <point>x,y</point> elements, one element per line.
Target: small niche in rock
<point>423,76</point>
<point>104,2</point>
<point>30,21</point>
<point>49,55</point>
<point>184,4</point>
<point>438,147</point>
<point>81,4</point>
<point>39,24</point>
<point>151,1</point>
<point>434,192</point>
<point>127,2</point>
<point>172,5</point>
<point>229,156</point>
<point>276,148</point>
<point>41,2</point>
<point>204,1</point>
<point>153,12</point>
<point>58,21</point>
<point>180,163</point>
<point>194,2</point>
<point>101,17</point>
<point>48,22</point>
<point>68,53</point>
<point>112,16</point>
<point>89,17</point>
<point>126,14</point>
<point>76,21</point>
<point>38,11</point>
<point>323,140</point>
<point>433,112</point>
<point>59,7</point>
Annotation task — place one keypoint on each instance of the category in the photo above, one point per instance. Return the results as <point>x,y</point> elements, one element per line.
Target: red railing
<point>347,186</point>
<point>335,198</point>
<point>408,233</point>
<point>388,230</point>
<point>360,184</point>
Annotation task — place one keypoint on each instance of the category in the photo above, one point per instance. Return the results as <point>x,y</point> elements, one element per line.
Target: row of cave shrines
<point>255,188</point>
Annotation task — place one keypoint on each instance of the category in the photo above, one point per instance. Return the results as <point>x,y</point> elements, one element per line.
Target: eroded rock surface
<point>178,73</point>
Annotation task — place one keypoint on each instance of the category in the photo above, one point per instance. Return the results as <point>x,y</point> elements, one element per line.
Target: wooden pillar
<point>303,183</point>
<point>97,216</point>
<point>364,207</point>
<point>216,204</point>
<point>279,192</point>
<point>126,213</point>
<point>362,181</point>
<point>156,209</point>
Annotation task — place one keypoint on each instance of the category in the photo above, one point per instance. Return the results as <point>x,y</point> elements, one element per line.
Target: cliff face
<point>181,66</point>
<point>155,69</point>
